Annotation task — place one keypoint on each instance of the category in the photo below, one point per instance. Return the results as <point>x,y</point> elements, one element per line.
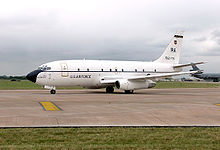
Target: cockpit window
<point>48,68</point>
<point>40,68</point>
<point>44,68</point>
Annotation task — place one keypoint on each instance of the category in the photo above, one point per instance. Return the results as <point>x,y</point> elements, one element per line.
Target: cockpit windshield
<point>44,67</point>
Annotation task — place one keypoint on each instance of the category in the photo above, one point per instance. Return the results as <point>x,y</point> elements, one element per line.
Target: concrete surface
<point>151,107</point>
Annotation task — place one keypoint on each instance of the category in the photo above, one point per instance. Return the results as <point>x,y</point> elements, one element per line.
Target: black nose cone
<point>33,75</point>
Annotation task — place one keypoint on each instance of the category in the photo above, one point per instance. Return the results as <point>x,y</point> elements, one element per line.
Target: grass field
<point>24,84</point>
<point>17,85</point>
<point>110,138</point>
<point>161,85</point>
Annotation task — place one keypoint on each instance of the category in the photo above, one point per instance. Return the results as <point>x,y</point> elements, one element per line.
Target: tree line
<point>12,77</point>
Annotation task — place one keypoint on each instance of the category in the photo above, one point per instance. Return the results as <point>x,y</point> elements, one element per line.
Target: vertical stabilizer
<point>171,54</point>
<point>195,68</point>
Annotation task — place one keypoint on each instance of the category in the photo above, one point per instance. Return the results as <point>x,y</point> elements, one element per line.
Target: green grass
<point>110,138</point>
<point>24,85</point>
<point>17,85</point>
<point>161,85</point>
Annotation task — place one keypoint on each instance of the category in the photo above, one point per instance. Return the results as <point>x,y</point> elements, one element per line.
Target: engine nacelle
<point>134,85</point>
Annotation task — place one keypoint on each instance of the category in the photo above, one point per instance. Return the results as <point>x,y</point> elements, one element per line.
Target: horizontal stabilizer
<point>186,65</point>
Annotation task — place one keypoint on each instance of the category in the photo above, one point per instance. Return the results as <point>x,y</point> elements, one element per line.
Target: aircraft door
<point>64,70</point>
<point>49,76</point>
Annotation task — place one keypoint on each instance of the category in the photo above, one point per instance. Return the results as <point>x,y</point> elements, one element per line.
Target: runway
<point>151,107</point>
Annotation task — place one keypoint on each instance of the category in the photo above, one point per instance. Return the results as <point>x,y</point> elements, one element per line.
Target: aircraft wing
<point>164,75</point>
<point>185,65</point>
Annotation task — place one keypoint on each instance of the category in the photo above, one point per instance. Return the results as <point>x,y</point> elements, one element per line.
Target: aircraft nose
<point>33,75</point>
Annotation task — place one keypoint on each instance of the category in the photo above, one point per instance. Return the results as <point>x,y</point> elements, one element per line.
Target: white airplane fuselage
<point>89,73</point>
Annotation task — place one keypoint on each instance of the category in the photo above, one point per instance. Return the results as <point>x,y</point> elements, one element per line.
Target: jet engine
<point>125,84</point>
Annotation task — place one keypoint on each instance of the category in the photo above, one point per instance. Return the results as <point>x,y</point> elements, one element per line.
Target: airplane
<point>109,74</point>
<point>215,77</point>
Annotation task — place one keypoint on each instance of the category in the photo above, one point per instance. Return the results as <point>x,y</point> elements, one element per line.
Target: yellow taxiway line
<point>50,106</point>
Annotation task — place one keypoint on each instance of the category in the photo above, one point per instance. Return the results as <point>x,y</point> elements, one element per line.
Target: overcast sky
<point>33,32</point>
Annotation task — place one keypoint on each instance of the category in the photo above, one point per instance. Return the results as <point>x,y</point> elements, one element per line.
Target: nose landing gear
<point>52,91</point>
<point>51,88</point>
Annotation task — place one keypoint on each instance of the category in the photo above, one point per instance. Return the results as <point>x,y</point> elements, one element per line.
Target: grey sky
<point>34,32</point>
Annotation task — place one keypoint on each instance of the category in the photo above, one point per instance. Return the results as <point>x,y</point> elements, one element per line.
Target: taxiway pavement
<point>151,107</point>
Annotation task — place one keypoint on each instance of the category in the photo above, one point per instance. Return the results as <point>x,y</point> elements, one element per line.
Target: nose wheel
<point>52,91</point>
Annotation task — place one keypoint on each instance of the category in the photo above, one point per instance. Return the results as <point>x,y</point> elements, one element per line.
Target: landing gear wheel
<point>53,92</point>
<point>129,91</point>
<point>215,80</point>
<point>109,89</point>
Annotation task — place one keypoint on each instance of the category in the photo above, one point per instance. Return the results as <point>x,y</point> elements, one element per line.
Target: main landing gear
<point>52,91</point>
<point>129,91</point>
<point>109,89</point>
<point>215,80</point>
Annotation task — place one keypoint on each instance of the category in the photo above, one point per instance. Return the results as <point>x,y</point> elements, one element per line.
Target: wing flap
<point>160,75</point>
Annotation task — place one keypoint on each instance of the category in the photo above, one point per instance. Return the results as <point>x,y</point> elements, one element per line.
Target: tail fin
<point>195,68</point>
<point>171,54</point>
